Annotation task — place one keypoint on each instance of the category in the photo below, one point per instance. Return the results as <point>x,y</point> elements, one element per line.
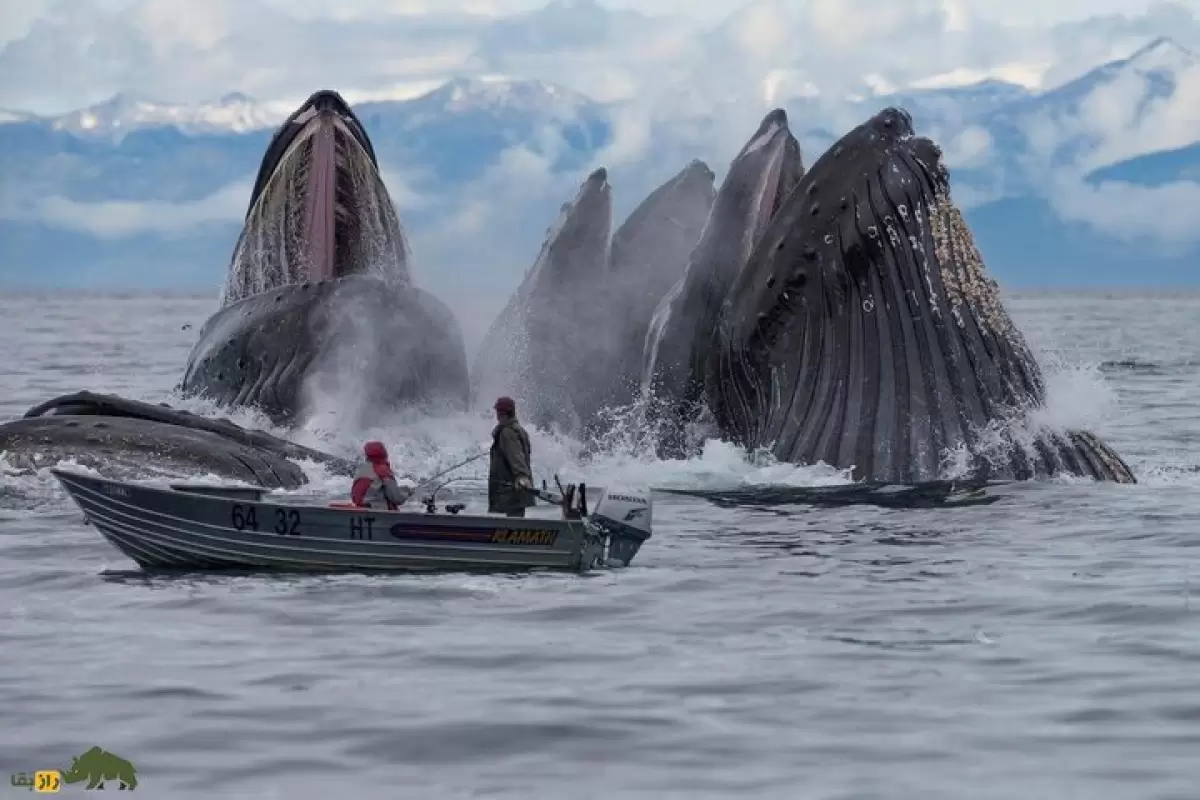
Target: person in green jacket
<point>510,471</point>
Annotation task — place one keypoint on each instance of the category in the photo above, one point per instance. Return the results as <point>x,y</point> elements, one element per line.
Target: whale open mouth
<point>319,209</point>
<point>773,186</point>
<point>771,197</point>
<point>318,178</point>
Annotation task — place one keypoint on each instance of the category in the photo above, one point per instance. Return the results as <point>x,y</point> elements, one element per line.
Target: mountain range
<point>1090,183</point>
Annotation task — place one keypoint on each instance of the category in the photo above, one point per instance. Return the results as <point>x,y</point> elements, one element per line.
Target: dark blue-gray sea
<point>1044,646</point>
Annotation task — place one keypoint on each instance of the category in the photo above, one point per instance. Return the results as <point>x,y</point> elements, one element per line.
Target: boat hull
<point>198,528</point>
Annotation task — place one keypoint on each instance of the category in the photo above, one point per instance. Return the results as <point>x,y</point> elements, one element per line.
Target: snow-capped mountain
<point>237,113</point>
<point>123,113</point>
<point>458,130</point>
<point>1121,110</point>
<point>112,188</point>
<point>7,116</point>
<point>1160,64</point>
<point>494,95</point>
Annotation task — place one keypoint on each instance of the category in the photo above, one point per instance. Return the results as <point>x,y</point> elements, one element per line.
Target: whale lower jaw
<point>360,340</point>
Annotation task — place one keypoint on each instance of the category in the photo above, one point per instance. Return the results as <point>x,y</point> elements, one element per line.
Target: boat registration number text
<point>283,521</point>
<point>524,536</point>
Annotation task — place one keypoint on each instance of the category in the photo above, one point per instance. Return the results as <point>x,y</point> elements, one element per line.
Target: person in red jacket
<point>375,484</point>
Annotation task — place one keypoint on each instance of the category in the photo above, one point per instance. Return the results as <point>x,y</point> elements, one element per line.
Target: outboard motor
<point>625,518</point>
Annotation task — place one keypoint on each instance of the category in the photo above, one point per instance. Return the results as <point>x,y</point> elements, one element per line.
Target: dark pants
<point>520,512</point>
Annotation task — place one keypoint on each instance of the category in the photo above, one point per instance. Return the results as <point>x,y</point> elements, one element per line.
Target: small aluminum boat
<point>212,528</point>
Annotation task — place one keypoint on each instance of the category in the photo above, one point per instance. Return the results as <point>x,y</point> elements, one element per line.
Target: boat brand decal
<point>114,491</point>
<point>519,536</point>
<point>625,498</point>
<point>524,536</point>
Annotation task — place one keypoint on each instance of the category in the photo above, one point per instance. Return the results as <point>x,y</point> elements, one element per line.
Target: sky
<point>16,18</point>
<point>661,57</point>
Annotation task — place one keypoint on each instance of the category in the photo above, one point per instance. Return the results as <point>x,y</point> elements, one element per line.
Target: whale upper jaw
<point>675,357</point>
<point>322,267</point>
<point>577,244</point>
<point>322,101</point>
<point>759,179</point>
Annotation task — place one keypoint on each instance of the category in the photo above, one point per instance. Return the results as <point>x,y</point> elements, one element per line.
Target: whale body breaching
<point>319,297</point>
<point>857,326</point>
<point>318,303</point>
<point>569,343</point>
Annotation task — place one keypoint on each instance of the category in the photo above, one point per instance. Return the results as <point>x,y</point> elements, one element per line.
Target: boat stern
<point>624,519</point>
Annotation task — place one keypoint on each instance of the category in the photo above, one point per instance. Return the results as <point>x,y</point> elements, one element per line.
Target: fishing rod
<point>430,500</point>
<point>462,463</point>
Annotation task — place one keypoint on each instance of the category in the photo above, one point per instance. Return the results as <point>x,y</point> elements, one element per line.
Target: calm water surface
<point>1046,646</point>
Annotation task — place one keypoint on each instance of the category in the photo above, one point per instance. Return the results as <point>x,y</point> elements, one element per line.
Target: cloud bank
<point>61,54</point>
<point>116,219</point>
<point>684,79</point>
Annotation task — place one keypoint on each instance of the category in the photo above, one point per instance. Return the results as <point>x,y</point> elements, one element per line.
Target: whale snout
<point>892,122</point>
<point>776,118</point>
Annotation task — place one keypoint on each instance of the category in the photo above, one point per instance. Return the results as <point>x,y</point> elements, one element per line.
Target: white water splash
<point>1078,396</point>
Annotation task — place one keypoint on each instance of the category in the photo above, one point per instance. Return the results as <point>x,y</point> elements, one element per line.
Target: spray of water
<point>569,344</point>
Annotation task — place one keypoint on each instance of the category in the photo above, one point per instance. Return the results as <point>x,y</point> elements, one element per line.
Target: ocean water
<point>1044,646</point>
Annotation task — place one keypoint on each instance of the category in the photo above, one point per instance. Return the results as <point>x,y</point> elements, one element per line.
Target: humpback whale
<point>649,253</point>
<point>319,297</point>
<point>539,348</point>
<point>569,342</point>
<point>863,331</point>
<point>318,302</point>
<point>682,331</point>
